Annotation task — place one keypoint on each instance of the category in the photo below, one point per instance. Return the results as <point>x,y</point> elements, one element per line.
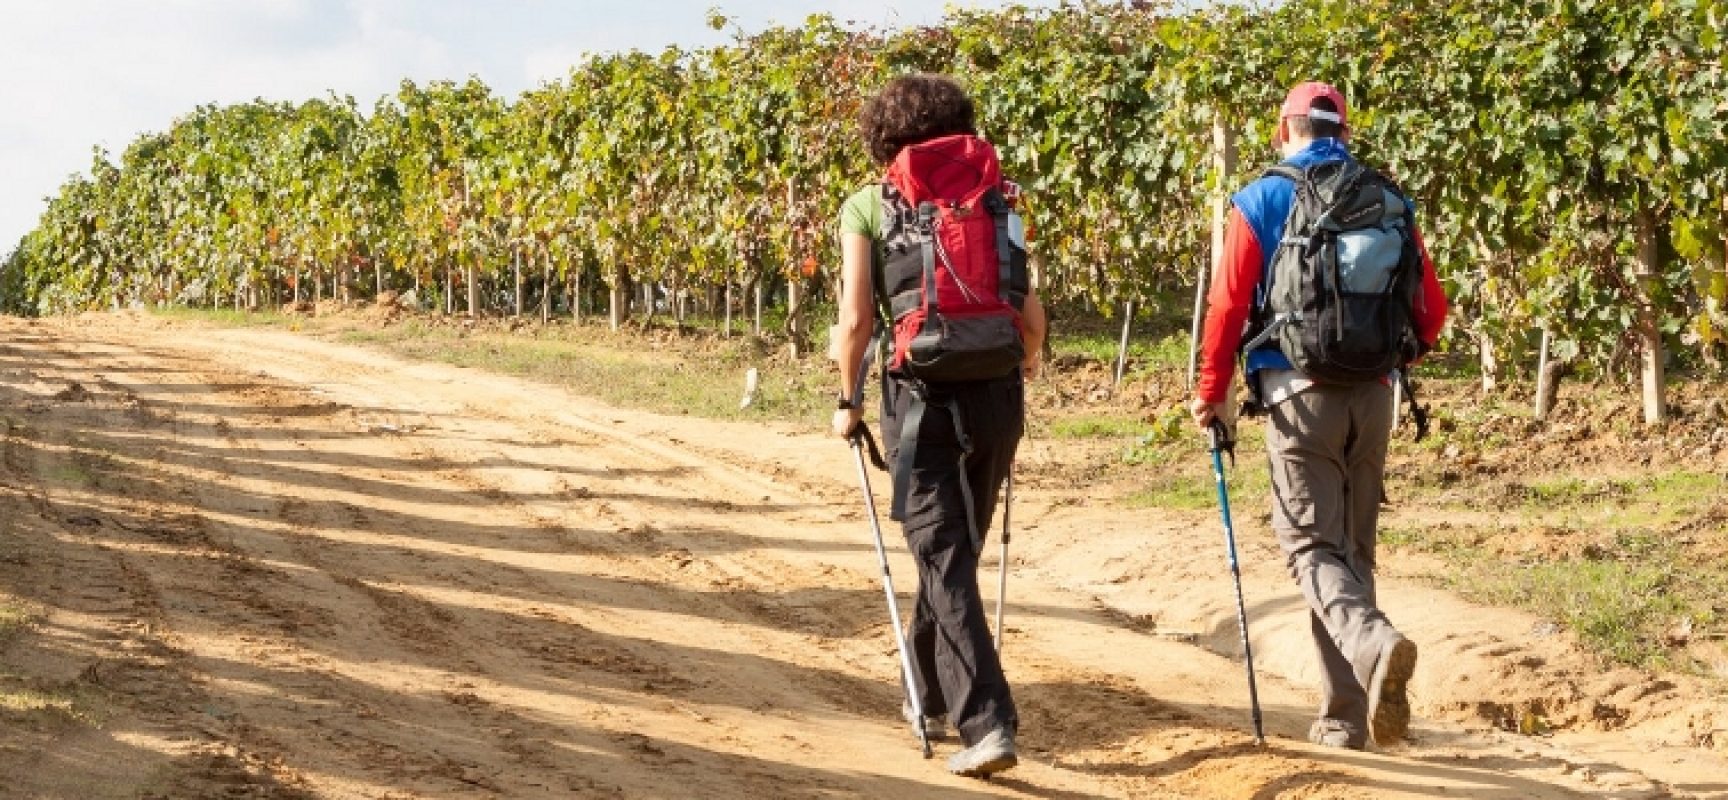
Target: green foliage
<point>1536,136</point>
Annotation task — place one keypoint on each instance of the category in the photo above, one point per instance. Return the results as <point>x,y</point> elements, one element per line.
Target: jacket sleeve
<point>1431,305</point>
<point>1228,304</point>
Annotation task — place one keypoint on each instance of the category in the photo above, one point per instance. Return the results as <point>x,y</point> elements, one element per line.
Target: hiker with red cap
<point>933,266</point>
<point>1326,294</point>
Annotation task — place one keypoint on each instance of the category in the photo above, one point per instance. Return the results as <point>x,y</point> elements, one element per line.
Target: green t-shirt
<point>862,213</point>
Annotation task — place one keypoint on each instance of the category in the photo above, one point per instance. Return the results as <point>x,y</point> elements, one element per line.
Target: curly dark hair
<point>915,108</point>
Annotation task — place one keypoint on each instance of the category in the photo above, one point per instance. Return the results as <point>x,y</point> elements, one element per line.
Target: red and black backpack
<point>954,274</point>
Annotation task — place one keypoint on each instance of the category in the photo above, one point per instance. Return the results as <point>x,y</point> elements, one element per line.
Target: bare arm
<point>852,333</point>
<point>1034,326</point>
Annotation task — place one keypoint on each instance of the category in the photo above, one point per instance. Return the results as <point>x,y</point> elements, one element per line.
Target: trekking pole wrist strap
<point>862,436</point>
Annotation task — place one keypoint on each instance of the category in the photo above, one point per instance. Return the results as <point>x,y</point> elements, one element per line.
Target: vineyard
<point>1568,158</point>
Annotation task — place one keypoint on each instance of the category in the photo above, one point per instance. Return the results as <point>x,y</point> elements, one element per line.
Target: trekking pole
<point>1002,572</point>
<point>1218,436</point>
<point>858,437</point>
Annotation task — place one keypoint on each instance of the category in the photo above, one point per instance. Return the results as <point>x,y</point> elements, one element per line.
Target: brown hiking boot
<point>1388,691</point>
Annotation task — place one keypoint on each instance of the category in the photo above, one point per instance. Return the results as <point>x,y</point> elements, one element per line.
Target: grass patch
<point>1176,492</point>
<point>67,475</point>
<point>1097,427</point>
<point>705,380</point>
<point>1186,483</point>
<point>1157,339</point>
<point>1180,467</point>
<point>1144,355</point>
<point>20,698</point>
<point>38,702</point>
<point>1621,594</point>
<point>227,316</point>
<point>15,618</point>
<point>1634,503</point>
<point>1620,609</point>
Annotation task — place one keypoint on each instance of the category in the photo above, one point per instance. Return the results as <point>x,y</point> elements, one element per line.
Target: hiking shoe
<point>935,728</point>
<point>1332,733</point>
<point>992,754</point>
<point>1388,696</point>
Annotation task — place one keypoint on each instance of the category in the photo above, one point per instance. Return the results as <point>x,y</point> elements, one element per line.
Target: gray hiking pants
<point>1327,447</point>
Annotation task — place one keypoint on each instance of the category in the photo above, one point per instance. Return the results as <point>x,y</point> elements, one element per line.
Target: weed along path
<point>258,564</point>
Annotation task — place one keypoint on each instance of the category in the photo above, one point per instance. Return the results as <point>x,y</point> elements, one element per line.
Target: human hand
<point>1204,412</point>
<point>846,420</point>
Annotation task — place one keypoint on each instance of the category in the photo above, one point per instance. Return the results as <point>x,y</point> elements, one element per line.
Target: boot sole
<point>1388,694</point>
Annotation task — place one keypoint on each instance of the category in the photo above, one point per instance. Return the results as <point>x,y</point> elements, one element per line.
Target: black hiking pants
<point>953,657</point>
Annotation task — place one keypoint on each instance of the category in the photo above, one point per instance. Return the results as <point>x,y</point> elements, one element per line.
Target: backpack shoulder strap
<point>888,198</point>
<point>1286,171</point>
<point>997,205</point>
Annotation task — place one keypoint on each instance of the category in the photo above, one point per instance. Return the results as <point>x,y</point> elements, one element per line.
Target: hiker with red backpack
<point>933,260</point>
<point>1326,292</point>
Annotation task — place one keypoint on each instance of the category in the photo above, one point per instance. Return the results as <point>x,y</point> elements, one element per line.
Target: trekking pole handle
<point>1218,439</point>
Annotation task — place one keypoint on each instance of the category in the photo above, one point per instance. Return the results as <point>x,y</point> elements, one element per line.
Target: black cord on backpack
<point>862,433</point>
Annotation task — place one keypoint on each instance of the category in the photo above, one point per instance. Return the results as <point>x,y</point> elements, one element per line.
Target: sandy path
<point>293,568</point>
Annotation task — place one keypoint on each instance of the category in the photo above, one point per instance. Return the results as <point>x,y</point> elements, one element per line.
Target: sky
<point>78,74</point>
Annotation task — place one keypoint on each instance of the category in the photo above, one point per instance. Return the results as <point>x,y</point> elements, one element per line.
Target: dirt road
<point>272,566</point>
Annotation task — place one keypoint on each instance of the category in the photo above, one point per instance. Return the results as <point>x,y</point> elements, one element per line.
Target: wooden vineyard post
<point>1547,377</point>
<point>516,265</point>
<point>795,316</point>
<point>1648,329</point>
<point>677,299</point>
<point>1122,345</point>
<point>1194,331</point>
<point>1224,163</point>
<point>619,298</point>
<point>1223,167</point>
<point>1490,364</point>
<point>473,290</point>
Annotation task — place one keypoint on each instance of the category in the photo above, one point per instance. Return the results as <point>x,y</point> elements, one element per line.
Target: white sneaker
<point>935,728</point>
<point>992,754</point>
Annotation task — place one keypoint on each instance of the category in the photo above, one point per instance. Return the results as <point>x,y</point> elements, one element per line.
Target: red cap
<point>1300,103</point>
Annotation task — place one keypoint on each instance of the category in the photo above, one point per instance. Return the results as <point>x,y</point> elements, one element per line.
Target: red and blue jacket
<point>1257,216</point>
